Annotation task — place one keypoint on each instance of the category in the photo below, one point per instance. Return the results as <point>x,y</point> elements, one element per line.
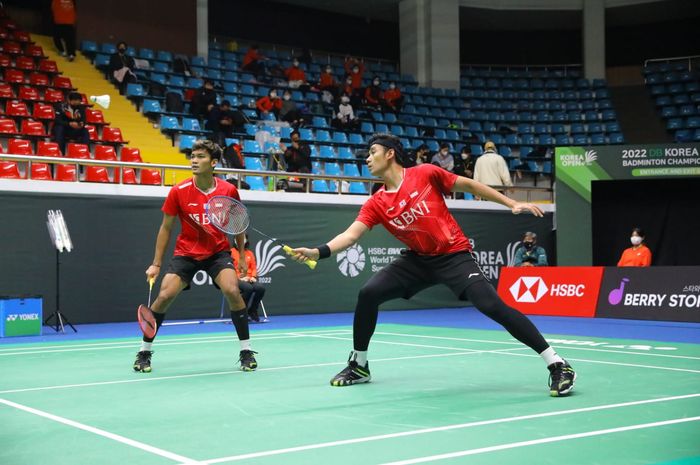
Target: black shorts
<point>186,267</point>
<point>416,272</point>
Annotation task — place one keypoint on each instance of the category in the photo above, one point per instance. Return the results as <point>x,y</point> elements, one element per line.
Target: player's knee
<point>167,294</point>
<point>370,294</point>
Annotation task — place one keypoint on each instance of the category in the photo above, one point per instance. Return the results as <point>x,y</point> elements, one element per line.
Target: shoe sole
<point>142,370</point>
<point>566,392</point>
<point>249,368</point>
<point>340,383</point>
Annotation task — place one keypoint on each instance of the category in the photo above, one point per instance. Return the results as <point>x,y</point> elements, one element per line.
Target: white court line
<point>381,437</point>
<point>513,445</point>
<point>567,347</point>
<point>142,378</point>
<point>114,437</point>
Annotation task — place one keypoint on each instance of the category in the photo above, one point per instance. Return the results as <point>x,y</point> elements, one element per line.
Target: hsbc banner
<point>666,293</point>
<point>558,291</point>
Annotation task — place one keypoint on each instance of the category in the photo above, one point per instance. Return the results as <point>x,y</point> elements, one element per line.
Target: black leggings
<point>382,288</point>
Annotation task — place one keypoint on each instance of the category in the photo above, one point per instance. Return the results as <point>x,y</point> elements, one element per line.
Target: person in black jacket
<point>204,100</point>
<point>221,121</point>
<point>70,122</point>
<point>121,67</point>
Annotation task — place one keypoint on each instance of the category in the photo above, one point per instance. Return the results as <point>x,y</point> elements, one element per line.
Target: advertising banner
<point>20,316</point>
<point>657,293</point>
<point>559,291</point>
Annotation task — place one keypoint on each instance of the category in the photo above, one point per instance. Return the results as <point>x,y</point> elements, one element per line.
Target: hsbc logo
<point>528,289</point>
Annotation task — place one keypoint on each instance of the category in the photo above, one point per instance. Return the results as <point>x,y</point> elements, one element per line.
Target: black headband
<point>390,144</point>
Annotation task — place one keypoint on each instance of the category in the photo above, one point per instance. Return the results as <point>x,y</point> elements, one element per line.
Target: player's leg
<point>402,278</point>
<point>221,270</point>
<point>258,292</point>
<point>485,298</point>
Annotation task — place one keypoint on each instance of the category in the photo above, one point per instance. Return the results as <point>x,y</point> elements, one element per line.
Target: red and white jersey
<point>198,239</point>
<point>416,213</point>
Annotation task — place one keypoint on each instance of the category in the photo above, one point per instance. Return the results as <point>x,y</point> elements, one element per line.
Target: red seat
<point>40,172</point>
<point>8,24</point>
<point>94,116</point>
<point>7,126</point>
<point>43,111</point>
<point>131,155</point>
<point>53,96</point>
<point>61,82</point>
<point>21,36</point>
<point>92,131</point>
<point>19,147</point>
<point>34,51</point>
<point>96,174</point>
<point>151,177</point>
<point>16,108</point>
<point>112,134</point>
<point>48,149</point>
<point>6,91</point>
<point>39,79</point>
<point>33,128</point>
<point>14,76</point>
<point>9,170</point>
<point>77,151</point>
<point>48,66</point>
<point>128,176</point>
<point>66,173</point>
<point>13,48</point>
<point>105,152</point>
<point>28,93</point>
<point>5,61</point>
<point>24,63</point>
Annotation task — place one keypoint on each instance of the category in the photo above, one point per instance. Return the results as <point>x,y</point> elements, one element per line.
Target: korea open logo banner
<point>656,293</point>
<point>563,291</point>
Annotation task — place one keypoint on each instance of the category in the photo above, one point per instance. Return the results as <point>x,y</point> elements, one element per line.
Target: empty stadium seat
<point>33,128</point>
<point>130,154</point>
<point>9,170</point>
<point>128,176</point>
<point>357,188</point>
<point>110,134</point>
<point>256,183</point>
<point>77,151</point>
<point>319,185</point>
<point>150,177</point>
<point>19,147</point>
<point>40,172</point>
<point>97,174</point>
<point>48,149</point>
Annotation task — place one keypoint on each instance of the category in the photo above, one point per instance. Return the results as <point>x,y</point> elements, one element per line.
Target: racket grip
<point>150,283</point>
<point>310,263</point>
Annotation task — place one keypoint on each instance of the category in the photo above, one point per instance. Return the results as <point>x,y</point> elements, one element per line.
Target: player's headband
<point>390,144</point>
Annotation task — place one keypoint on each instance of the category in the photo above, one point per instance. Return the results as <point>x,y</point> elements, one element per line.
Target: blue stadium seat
<point>598,139</point>
<point>151,106</point>
<point>357,188</point>
<point>327,151</point>
<point>253,163</point>
<point>135,90</point>
<point>88,46</point>
<point>186,142</point>
<point>169,122</point>
<point>345,153</point>
<point>365,172</point>
<point>319,185</point>
<point>319,122</point>
<point>305,134</point>
<point>323,136</point>
<point>332,169</point>
<point>366,127</point>
<point>256,183</point>
<point>356,139</point>
<point>340,137</point>
<point>160,67</point>
<point>191,124</point>
<point>101,60</point>
<point>177,81</point>
<point>350,169</point>
<point>251,146</point>
<point>147,54</point>
<point>108,48</point>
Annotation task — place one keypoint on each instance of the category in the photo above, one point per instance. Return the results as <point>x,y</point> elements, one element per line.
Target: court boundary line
<point>234,458</point>
<point>533,442</point>
<point>103,433</point>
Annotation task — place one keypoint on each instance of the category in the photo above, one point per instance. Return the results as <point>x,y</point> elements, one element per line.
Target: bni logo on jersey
<point>351,261</point>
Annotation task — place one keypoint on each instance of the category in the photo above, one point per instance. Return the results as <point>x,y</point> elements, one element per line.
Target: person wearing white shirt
<point>491,168</point>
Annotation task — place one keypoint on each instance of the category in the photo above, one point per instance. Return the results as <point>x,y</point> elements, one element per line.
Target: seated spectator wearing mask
<point>529,253</point>
<point>289,111</point>
<point>121,67</point>
<point>637,255</point>
<point>296,76</point>
<point>374,95</point>
<point>393,99</point>
<point>271,103</point>
<point>443,158</point>
<point>345,119</point>
<point>327,82</point>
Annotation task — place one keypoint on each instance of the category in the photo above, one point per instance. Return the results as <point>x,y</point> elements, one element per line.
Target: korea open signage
<point>560,291</point>
<point>667,293</point>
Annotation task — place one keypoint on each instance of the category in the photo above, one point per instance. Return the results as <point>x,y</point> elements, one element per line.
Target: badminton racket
<point>147,321</point>
<point>231,217</point>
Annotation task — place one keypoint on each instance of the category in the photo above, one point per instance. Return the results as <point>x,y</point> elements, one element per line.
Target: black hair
<point>225,103</point>
<point>74,96</point>
<point>639,231</point>
<point>422,147</point>
<point>211,148</point>
<point>389,141</point>
<point>444,145</point>
<point>295,131</point>
<point>121,42</point>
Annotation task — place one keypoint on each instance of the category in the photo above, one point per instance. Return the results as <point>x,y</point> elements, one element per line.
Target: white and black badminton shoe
<point>561,379</point>
<point>354,373</point>
<point>142,363</point>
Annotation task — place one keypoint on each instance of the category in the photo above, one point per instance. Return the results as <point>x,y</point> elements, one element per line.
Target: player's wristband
<point>323,251</point>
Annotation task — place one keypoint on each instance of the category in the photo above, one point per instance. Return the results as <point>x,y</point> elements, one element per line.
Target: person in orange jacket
<point>64,27</point>
<point>393,99</point>
<point>251,290</point>
<point>637,255</point>
<point>328,83</point>
<point>270,103</point>
<point>296,76</point>
<point>253,62</point>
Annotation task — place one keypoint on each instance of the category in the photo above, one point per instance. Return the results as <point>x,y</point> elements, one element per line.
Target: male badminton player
<point>411,206</point>
<point>199,246</point>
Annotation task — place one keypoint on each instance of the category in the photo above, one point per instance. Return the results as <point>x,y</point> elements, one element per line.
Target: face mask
<point>287,97</point>
<point>329,70</point>
<point>528,245</point>
<point>296,63</point>
<point>444,152</point>
<point>376,83</point>
<point>349,82</point>
<point>635,240</point>
<point>356,70</point>
<point>464,156</point>
<point>392,86</point>
<point>273,94</point>
<point>344,99</point>
<point>122,50</point>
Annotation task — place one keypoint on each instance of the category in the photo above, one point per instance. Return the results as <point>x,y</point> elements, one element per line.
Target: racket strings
<point>228,215</point>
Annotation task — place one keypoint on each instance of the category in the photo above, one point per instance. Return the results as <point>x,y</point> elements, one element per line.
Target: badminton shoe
<point>352,374</point>
<point>142,363</point>
<point>247,359</point>
<point>561,379</point>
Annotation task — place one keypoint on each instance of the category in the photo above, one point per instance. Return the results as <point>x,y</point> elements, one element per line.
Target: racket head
<point>147,321</point>
<point>227,214</point>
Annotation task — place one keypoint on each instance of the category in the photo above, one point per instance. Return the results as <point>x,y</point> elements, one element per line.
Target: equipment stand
<point>60,317</point>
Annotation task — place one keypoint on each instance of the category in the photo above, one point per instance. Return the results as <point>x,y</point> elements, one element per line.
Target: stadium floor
<point>446,389</point>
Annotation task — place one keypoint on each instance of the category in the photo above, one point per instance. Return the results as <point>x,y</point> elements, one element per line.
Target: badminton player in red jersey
<point>411,206</point>
<point>199,246</point>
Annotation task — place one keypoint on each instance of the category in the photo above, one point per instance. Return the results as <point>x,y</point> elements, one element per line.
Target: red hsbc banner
<point>558,291</point>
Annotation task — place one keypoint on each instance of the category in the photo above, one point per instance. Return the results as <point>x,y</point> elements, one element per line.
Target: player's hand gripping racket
<point>231,217</point>
<point>147,321</point>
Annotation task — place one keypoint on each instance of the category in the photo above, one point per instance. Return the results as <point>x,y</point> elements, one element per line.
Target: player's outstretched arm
<point>485,192</point>
<point>162,241</point>
<point>340,242</point>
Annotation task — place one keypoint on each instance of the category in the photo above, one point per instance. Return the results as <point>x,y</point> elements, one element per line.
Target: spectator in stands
<point>121,67</point>
<point>296,76</point>
<point>468,161</point>
<point>297,157</point>
<point>422,154</point>
<point>393,99</point>
<point>345,119</point>
<point>637,255</point>
<point>374,96</point>
<point>529,253</point>
<point>252,291</point>
<point>204,100</point>
<point>305,56</point>
<point>271,103</point>
<point>64,27</point>
<point>221,122</point>
<point>491,168</point>
<point>253,62</point>
<point>233,158</point>
<point>69,123</point>
<point>181,65</point>
<point>327,83</point>
<point>289,111</point>
<point>443,158</point>
<point>354,70</point>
